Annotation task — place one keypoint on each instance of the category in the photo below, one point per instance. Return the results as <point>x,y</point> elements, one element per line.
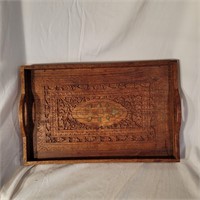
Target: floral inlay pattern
<point>99,113</point>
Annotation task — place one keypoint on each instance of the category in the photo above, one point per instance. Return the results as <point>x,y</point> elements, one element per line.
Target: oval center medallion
<point>99,112</point>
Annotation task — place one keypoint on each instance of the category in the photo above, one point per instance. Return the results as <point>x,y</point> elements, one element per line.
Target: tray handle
<point>22,115</point>
<point>178,109</point>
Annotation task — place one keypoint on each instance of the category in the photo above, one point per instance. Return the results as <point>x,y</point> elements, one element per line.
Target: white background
<point>51,31</point>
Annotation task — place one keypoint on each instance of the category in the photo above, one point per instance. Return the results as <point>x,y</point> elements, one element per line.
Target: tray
<point>100,112</point>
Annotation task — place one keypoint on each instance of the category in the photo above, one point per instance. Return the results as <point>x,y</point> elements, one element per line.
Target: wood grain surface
<point>100,112</point>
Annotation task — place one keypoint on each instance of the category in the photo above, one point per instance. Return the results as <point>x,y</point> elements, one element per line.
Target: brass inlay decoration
<point>99,113</point>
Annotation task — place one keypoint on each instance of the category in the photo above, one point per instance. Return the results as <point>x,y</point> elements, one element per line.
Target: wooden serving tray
<point>91,112</point>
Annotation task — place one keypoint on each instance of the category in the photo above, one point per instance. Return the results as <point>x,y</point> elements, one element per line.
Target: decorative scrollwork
<point>135,106</point>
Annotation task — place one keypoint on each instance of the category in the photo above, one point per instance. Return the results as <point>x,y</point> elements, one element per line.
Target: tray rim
<point>174,63</point>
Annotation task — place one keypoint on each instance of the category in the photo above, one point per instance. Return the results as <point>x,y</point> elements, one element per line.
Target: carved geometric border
<point>51,137</point>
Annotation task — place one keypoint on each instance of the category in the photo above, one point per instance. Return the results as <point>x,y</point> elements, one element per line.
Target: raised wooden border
<point>177,116</point>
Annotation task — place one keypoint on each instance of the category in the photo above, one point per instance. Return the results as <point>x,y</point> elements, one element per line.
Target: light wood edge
<point>167,160</point>
<point>73,65</point>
